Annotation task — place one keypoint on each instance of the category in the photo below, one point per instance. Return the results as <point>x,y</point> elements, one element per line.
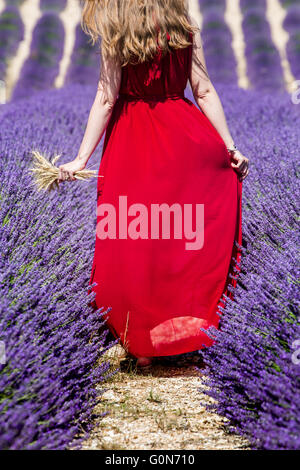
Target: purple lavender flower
<point>292,26</point>
<point>250,369</point>
<point>54,5</point>
<point>85,61</point>
<point>54,339</point>
<point>42,66</point>
<point>264,65</point>
<point>11,33</point>
<point>219,5</point>
<point>217,40</point>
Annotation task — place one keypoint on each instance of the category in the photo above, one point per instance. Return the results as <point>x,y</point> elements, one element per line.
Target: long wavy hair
<point>131,30</point>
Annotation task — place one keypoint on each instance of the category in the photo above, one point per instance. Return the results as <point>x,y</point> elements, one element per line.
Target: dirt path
<point>160,410</point>
<point>234,18</point>
<point>70,17</point>
<point>276,14</point>
<point>30,13</point>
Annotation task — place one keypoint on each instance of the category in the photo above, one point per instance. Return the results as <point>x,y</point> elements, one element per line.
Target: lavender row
<point>11,33</point>
<point>85,61</point>
<point>288,3</point>
<point>206,5</point>
<point>15,2</point>
<point>217,41</point>
<point>42,66</point>
<point>54,340</point>
<point>292,26</point>
<point>263,59</point>
<point>252,368</point>
<point>56,5</point>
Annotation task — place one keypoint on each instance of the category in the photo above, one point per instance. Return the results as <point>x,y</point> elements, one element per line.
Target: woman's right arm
<point>106,96</point>
<point>100,113</point>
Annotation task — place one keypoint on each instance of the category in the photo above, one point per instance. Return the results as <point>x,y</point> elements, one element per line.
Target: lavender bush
<point>292,26</point>
<point>55,5</point>
<point>287,3</point>
<point>264,65</point>
<point>54,339</point>
<point>220,5</point>
<point>217,40</point>
<point>251,373</point>
<point>15,2</point>
<point>85,61</point>
<point>11,33</point>
<point>42,66</point>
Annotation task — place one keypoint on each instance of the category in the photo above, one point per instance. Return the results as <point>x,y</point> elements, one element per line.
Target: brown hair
<point>128,29</point>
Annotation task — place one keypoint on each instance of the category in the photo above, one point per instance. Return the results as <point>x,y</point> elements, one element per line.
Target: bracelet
<point>234,149</point>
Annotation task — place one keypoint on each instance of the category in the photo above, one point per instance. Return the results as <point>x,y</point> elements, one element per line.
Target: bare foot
<point>144,361</point>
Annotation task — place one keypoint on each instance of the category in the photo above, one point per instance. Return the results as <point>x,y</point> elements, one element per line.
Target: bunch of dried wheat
<point>46,173</point>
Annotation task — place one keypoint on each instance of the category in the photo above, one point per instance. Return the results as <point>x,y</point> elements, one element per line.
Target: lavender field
<point>54,341</point>
<point>55,367</point>
<point>252,370</point>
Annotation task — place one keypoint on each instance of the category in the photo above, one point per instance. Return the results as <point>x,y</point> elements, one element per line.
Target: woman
<point>162,157</point>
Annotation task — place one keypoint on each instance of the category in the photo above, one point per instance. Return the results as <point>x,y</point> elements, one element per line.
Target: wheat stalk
<point>46,173</point>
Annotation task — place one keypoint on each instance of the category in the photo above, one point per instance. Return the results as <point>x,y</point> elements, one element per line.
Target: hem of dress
<point>231,280</point>
<point>236,255</point>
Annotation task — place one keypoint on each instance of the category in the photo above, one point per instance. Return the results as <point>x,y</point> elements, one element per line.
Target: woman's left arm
<point>209,102</point>
<point>100,113</point>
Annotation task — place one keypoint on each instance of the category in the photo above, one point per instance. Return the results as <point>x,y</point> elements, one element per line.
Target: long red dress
<point>160,148</point>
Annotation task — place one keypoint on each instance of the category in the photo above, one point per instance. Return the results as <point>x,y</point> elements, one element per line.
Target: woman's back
<point>162,76</point>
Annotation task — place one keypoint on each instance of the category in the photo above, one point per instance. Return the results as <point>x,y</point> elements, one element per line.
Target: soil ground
<point>160,409</point>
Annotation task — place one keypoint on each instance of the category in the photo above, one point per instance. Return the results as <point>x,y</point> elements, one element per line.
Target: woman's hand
<point>66,171</point>
<point>240,164</point>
